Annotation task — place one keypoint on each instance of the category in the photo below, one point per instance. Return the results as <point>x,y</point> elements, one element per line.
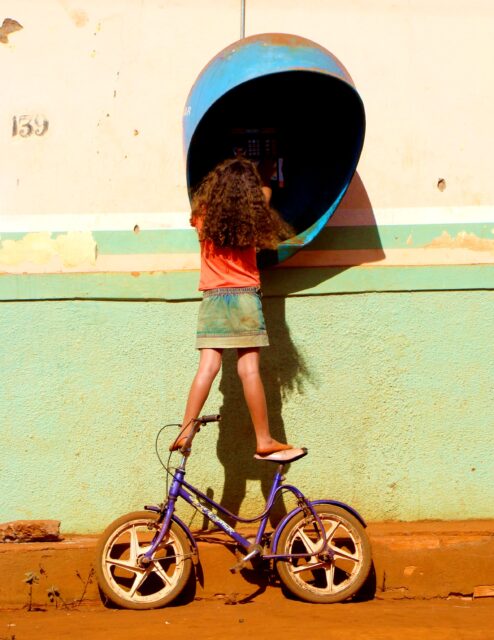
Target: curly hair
<point>234,210</point>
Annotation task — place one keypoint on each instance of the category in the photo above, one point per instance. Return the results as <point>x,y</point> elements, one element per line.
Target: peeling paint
<point>73,248</point>
<point>9,26</point>
<point>463,240</point>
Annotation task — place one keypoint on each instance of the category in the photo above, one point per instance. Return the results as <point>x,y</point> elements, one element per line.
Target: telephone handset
<point>261,146</point>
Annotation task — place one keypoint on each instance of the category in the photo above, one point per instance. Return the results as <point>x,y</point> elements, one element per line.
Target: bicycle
<point>320,549</point>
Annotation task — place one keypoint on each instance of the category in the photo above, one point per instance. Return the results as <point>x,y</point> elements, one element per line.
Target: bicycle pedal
<point>237,567</point>
<point>254,550</point>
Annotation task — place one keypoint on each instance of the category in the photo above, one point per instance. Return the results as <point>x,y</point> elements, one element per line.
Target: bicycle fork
<point>147,558</point>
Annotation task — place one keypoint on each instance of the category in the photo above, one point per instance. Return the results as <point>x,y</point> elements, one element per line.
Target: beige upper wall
<point>112,77</point>
<point>424,71</point>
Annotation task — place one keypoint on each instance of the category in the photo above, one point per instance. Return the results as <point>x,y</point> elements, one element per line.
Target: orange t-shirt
<point>226,266</point>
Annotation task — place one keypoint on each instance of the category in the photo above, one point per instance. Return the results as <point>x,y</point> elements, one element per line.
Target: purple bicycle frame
<point>180,489</point>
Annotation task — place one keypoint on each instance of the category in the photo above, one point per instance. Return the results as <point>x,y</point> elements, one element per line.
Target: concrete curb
<point>411,560</point>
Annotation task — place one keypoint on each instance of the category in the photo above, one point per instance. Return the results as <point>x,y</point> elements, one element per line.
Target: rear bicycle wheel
<point>121,578</point>
<point>324,578</point>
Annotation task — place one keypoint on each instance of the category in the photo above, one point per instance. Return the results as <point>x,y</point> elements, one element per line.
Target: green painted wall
<point>391,393</point>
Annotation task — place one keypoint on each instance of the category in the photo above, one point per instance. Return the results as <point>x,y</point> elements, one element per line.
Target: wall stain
<point>9,26</point>
<point>463,240</point>
<point>73,248</point>
<point>79,17</point>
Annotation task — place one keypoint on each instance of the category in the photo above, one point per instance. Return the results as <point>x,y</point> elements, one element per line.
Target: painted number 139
<point>28,125</point>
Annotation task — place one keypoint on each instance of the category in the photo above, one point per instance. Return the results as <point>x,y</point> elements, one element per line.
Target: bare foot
<point>272,446</point>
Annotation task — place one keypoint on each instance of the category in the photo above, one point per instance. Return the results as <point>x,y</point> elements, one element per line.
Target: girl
<point>231,213</point>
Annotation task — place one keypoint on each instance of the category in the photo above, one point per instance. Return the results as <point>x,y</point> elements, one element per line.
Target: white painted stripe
<point>111,264</point>
<point>390,258</point>
<point>14,223</point>
<point>412,216</point>
<point>191,261</point>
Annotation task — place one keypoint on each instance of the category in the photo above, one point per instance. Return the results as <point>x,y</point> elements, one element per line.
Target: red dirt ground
<point>270,617</point>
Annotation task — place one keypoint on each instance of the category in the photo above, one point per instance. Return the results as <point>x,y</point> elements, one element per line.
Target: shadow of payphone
<point>290,106</point>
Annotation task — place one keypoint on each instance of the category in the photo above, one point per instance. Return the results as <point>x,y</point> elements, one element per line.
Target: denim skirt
<point>231,318</point>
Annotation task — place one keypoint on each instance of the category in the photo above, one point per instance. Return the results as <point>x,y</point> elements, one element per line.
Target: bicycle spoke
<point>138,580</point>
<point>307,567</point>
<point>344,554</point>
<point>329,533</point>
<point>123,564</point>
<point>158,570</point>
<point>329,571</point>
<point>134,544</point>
<point>307,542</point>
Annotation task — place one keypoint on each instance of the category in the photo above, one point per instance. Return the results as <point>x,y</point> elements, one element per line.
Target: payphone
<point>291,107</point>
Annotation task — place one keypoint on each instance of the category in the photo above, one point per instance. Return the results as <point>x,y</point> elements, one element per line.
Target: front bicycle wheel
<point>119,574</point>
<point>331,575</point>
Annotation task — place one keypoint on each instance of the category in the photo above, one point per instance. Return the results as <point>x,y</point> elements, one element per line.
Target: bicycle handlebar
<point>197,424</point>
<point>212,418</point>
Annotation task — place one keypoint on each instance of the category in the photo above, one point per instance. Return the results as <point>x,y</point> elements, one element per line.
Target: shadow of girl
<point>283,372</point>
<point>283,368</point>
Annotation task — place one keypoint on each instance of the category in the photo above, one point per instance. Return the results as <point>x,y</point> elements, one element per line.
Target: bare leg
<point>248,371</point>
<point>209,365</point>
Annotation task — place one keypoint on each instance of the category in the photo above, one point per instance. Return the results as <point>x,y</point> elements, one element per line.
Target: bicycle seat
<point>285,456</point>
